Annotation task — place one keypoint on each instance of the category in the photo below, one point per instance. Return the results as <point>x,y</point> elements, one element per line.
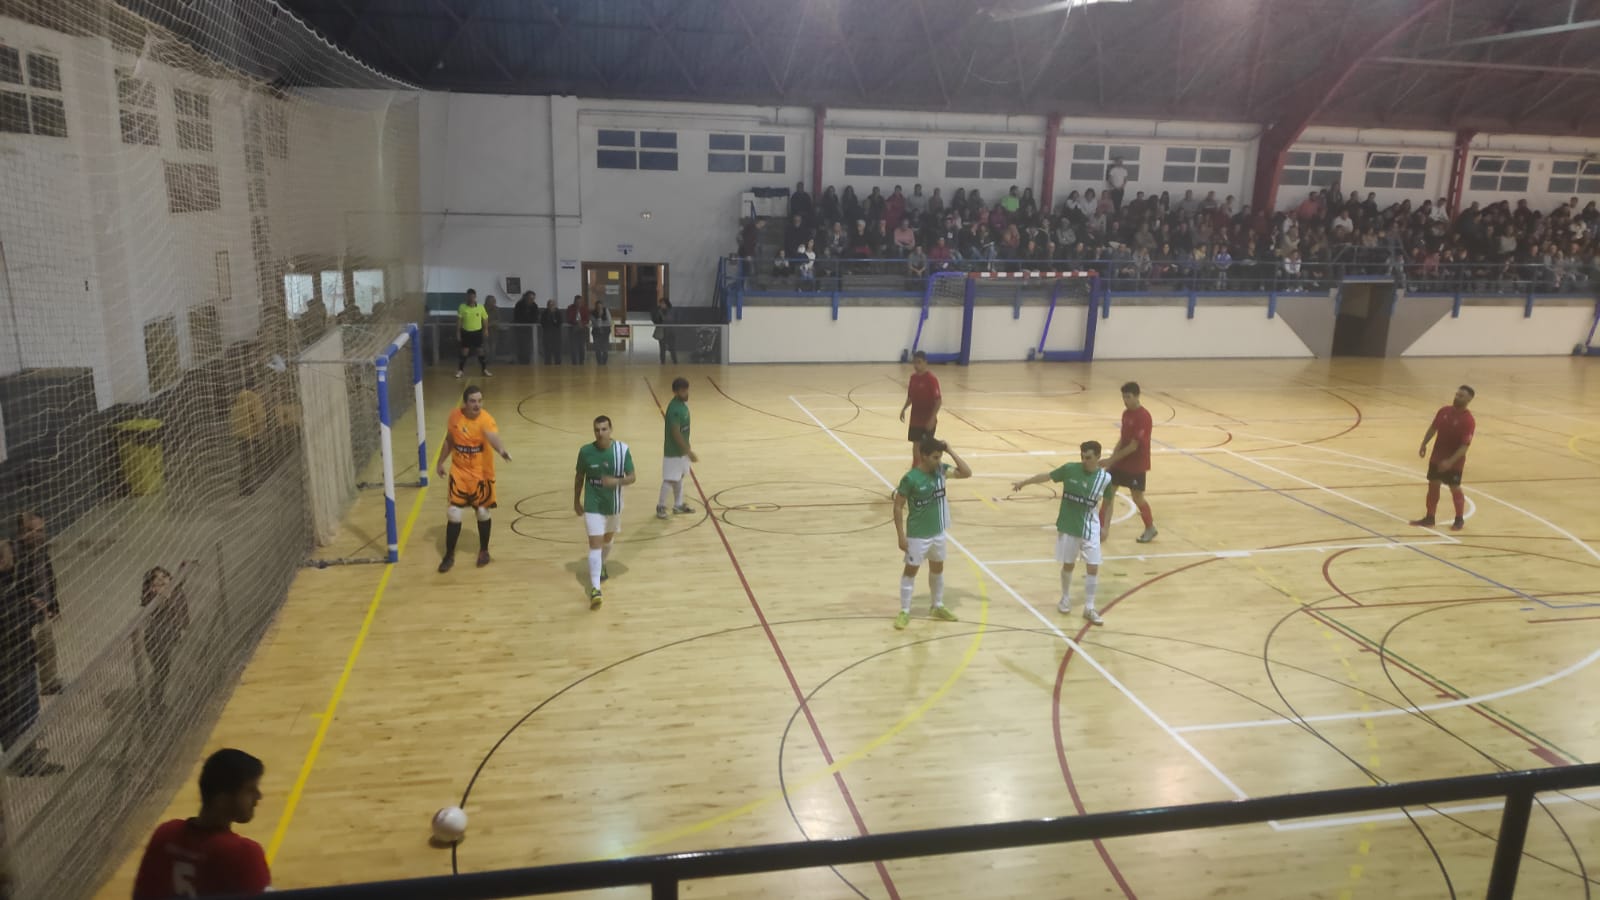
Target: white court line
<point>984,454</point>
<point>1241,554</point>
<point>1403,711</point>
<point>1416,813</point>
<point>1328,490</point>
<point>1472,506</point>
<point>1076,647</point>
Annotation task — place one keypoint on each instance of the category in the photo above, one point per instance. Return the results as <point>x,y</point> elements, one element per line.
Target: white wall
<point>1555,327</point>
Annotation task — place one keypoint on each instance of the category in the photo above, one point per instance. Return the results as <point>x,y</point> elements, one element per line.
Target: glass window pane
<point>1220,156</point>
<point>1297,158</point>
<point>658,161</point>
<point>1519,166</point>
<point>10,65</point>
<point>1095,172</point>
<point>775,164</point>
<point>49,116</point>
<point>727,142</point>
<point>1000,150</point>
<point>863,147</point>
<point>1591,167</point>
<point>1483,183</point>
<point>961,168</point>
<point>1177,174</point>
<point>616,159</point>
<point>1133,171</point>
<point>899,168</point>
<point>1324,177</point>
<point>1513,182</point>
<point>1379,179</point>
<point>1330,160</point>
<point>1182,154</point>
<point>767,143</point>
<point>1000,170</point>
<point>194,135</point>
<point>899,148</point>
<point>1487,164</point>
<point>969,149</point>
<point>1564,167</point>
<point>140,128</point>
<point>1088,151</point>
<point>44,72</point>
<point>1411,181</point>
<point>1588,186</point>
<point>1212,175</point>
<point>14,113</point>
<point>1299,177</point>
<point>725,162</point>
<point>609,138</point>
<point>1414,163</point>
<point>333,291</point>
<point>1382,161</point>
<point>1123,152</point>
<point>1563,185</point>
<point>661,140</point>
<point>863,165</point>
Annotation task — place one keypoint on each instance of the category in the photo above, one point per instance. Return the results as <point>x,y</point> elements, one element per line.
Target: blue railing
<point>664,873</point>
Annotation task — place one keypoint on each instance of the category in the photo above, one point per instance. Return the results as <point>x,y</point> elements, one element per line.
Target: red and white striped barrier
<point>1031,274</point>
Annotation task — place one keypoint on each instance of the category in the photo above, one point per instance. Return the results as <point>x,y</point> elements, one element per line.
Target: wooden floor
<point>1287,632</point>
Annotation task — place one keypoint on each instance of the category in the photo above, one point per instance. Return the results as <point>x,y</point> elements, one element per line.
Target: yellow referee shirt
<point>472,317</point>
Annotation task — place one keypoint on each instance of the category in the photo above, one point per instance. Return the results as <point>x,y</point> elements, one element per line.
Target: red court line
<point>1491,598</point>
<point>1567,619</point>
<point>794,683</point>
<point>1326,576</point>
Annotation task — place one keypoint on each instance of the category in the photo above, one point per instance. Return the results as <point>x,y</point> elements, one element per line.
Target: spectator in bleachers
<point>917,263</point>
<point>525,315</point>
<point>830,205</point>
<point>550,322</point>
<point>800,203</point>
<point>600,330</point>
<point>577,329</point>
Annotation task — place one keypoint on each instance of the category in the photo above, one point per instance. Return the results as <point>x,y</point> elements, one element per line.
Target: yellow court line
<point>1573,446</point>
<point>905,722</point>
<point>986,501</point>
<point>338,690</point>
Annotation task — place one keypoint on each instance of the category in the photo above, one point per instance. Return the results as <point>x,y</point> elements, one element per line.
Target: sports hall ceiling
<point>1529,66</point>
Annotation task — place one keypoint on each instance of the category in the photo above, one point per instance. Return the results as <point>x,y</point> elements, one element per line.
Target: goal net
<point>944,327</point>
<point>1059,304</point>
<point>196,194</point>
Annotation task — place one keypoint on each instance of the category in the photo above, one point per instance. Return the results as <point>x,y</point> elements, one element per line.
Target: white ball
<point>449,824</point>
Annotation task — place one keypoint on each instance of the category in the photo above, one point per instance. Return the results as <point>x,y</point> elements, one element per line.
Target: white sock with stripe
<point>937,582</point>
<point>1090,582</point>
<point>908,586</point>
<point>1066,587</point>
<point>594,568</point>
<point>666,494</point>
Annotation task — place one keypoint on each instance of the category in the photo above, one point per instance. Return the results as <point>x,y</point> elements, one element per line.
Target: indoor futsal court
<point>743,684</point>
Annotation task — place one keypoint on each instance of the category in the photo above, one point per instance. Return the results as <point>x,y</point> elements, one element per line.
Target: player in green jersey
<point>1084,487</point>
<point>921,532</point>
<point>605,467</point>
<point>676,455</point>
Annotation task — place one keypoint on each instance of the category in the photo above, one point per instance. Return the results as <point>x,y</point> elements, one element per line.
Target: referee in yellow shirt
<point>471,322</point>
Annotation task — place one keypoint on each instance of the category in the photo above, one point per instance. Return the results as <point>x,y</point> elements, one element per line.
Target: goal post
<point>411,335</point>
<point>943,290</point>
<point>1072,293</point>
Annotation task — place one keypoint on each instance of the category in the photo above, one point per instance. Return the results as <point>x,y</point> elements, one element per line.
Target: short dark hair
<point>599,419</point>
<point>1131,387</point>
<point>679,383</point>
<point>1090,447</point>
<point>1469,390</point>
<point>150,578</point>
<point>471,389</point>
<point>471,292</point>
<point>226,771</point>
<point>930,445</point>
<point>920,354</point>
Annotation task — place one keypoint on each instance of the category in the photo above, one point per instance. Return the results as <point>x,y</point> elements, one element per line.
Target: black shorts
<point>915,434</point>
<point>1452,479</point>
<point>472,340</point>
<point>1129,480</point>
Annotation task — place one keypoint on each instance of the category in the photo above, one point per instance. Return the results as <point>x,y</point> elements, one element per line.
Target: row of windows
<point>35,105</point>
<point>301,289</point>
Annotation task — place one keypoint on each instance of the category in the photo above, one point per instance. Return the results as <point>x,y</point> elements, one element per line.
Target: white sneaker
<point>1091,616</point>
<point>487,373</point>
<point>458,373</point>
<point>661,512</point>
<point>1064,607</point>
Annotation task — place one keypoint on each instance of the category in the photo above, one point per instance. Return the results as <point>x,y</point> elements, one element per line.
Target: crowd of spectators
<point>1204,242</point>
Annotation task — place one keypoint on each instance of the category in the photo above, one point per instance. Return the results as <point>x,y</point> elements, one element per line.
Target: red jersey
<point>183,860</point>
<point>923,394</point>
<point>1454,429</point>
<point>1135,427</point>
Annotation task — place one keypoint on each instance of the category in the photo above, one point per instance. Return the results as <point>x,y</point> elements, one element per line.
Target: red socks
<point>1460,501</point>
<point>1433,497</point>
<point>1144,514</point>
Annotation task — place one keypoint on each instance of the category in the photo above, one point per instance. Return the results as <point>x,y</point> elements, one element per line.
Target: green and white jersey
<point>929,513</point>
<point>1081,492</point>
<point>677,414</point>
<point>594,464</point>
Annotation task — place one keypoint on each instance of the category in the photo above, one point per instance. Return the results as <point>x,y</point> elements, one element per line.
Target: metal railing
<point>511,344</point>
<point>665,872</point>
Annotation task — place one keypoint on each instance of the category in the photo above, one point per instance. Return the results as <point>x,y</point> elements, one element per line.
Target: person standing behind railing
<point>600,330</point>
<point>524,316</point>
<point>662,317</point>
<point>550,323</point>
<point>577,329</point>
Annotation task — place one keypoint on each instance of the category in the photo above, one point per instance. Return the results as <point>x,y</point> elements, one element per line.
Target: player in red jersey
<point>202,857</point>
<point>924,401</point>
<point>1130,463</point>
<point>1454,426</point>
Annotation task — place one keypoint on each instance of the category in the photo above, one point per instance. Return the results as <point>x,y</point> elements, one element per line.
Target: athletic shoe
<point>1064,607</point>
<point>487,373</point>
<point>939,612</point>
<point>483,558</point>
<point>1424,522</point>
<point>604,572</point>
<point>458,373</point>
<point>902,620</point>
<point>1148,536</point>
<point>661,512</point>
<point>1092,616</point>
<point>446,563</point>
<point>683,508</point>
<point>1458,524</point>
<point>594,598</point>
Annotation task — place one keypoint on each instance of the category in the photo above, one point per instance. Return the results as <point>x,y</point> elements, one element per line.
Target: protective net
<point>194,194</point>
<point>939,331</point>
<point>1061,331</point>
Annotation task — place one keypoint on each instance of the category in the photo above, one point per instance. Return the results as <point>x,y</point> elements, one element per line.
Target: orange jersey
<point>470,453</point>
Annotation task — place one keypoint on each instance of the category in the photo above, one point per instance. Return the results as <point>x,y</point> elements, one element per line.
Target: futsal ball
<point>449,824</point>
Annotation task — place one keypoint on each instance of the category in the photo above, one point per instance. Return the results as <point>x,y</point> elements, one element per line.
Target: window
<point>298,292</point>
<point>136,110</point>
<point>1197,165</point>
<point>1307,168</point>
<point>1572,176</point>
<point>1396,170</point>
<point>224,276</point>
<point>205,334</point>
<point>1499,173</point>
<point>192,187</point>
<point>995,160</point>
<point>36,106</point>
<point>369,289</point>
<point>333,291</point>
<point>194,120</point>
<point>161,353</point>
<point>651,150</point>
<point>275,125</point>
<point>1090,161</point>
<point>728,153</point>
<point>875,157</point>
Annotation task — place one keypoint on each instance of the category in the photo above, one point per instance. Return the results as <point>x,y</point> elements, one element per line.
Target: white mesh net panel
<point>941,333</point>
<point>192,192</point>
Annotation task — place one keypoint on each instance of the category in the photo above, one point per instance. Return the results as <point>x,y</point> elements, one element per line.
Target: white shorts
<point>1069,548</point>
<point>674,468</point>
<point>919,549</point>
<point>597,524</point>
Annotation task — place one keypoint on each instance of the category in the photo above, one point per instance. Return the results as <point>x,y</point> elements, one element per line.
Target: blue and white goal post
<point>945,289</point>
<point>1589,347</point>
<point>411,335</point>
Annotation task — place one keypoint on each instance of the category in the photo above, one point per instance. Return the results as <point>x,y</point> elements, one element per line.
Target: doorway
<point>632,287</point>
<point>1365,309</point>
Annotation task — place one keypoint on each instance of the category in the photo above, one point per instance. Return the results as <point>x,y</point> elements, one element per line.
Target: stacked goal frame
<point>1064,286</point>
<point>411,335</point>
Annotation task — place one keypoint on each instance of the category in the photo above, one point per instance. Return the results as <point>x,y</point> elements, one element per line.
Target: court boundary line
<point>1239,554</point>
<point>1427,811</point>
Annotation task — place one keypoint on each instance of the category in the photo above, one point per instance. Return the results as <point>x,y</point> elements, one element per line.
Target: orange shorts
<point>470,490</point>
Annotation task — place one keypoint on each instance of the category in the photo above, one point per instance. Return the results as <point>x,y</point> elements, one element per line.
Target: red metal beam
<point>819,118</point>
<point>1047,187</point>
<point>1458,168</point>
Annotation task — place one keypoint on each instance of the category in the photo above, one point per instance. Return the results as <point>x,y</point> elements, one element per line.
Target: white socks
<point>937,581</point>
<point>596,559</point>
<point>666,494</point>
<point>677,493</point>
<point>1090,582</point>
<point>1066,588</point>
<point>907,586</point>
<point>672,490</point>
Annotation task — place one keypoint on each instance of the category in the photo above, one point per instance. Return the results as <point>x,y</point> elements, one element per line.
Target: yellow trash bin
<point>139,445</point>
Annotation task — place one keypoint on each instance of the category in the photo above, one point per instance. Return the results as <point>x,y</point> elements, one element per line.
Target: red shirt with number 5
<point>183,860</point>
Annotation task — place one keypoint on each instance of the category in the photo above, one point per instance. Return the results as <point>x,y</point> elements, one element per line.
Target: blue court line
<point>1378,534</point>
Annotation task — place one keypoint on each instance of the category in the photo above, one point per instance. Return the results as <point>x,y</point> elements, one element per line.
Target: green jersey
<point>594,464</point>
<point>929,514</point>
<point>677,414</point>
<point>1081,493</point>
